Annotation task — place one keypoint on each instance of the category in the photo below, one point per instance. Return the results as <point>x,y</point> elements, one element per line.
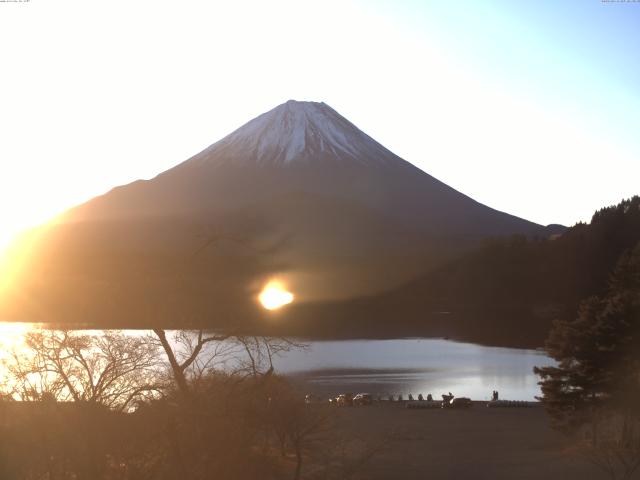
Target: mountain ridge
<point>235,161</point>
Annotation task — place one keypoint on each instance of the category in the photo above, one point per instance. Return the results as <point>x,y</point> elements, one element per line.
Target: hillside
<point>506,292</point>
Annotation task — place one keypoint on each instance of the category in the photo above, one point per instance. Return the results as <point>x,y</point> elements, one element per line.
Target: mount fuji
<point>298,193</point>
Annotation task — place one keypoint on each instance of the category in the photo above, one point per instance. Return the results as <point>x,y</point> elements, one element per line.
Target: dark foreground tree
<point>593,393</point>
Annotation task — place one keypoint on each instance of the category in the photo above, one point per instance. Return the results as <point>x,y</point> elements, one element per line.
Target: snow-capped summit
<point>297,131</point>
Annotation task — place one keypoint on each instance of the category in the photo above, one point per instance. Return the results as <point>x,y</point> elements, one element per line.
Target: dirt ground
<point>478,443</point>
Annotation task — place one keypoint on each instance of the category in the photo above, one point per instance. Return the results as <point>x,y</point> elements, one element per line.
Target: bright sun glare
<point>12,336</point>
<point>6,237</point>
<point>275,295</point>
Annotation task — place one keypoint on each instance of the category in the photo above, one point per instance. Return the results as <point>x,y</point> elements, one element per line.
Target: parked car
<point>460,402</point>
<point>345,400</point>
<point>363,399</point>
<point>310,398</point>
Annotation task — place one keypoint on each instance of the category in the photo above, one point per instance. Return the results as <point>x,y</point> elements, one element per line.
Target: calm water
<point>395,367</point>
<point>415,366</point>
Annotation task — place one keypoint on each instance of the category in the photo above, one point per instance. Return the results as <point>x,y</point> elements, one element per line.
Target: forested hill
<point>509,291</point>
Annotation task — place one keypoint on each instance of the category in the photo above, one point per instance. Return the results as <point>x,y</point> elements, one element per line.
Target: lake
<point>415,365</point>
<point>393,367</point>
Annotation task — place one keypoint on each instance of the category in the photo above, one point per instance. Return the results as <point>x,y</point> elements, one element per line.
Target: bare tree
<point>256,354</point>
<point>612,443</point>
<point>192,353</point>
<point>109,368</point>
<point>184,356</point>
<point>311,434</point>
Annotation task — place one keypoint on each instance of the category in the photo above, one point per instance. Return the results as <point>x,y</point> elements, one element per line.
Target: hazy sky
<point>531,107</point>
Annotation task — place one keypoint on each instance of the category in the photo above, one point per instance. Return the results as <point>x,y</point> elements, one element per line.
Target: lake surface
<point>404,366</point>
<point>394,367</point>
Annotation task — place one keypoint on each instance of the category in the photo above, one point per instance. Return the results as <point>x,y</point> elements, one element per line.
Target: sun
<point>274,295</point>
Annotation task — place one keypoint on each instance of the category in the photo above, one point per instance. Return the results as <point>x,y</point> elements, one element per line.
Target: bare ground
<point>478,443</point>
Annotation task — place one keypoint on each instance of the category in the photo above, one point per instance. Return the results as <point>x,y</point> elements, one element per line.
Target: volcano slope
<point>299,194</point>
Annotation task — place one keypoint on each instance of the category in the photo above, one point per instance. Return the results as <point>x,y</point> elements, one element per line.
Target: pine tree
<point>594,391</point>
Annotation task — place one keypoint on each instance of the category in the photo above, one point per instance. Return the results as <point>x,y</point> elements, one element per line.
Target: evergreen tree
<point>594,391</point>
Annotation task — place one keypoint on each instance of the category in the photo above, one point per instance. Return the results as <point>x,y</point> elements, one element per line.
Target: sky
<point>529,107</point>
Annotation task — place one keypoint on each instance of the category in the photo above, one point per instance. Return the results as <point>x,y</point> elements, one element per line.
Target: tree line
<point>511,289</point>
<point>593,393</point>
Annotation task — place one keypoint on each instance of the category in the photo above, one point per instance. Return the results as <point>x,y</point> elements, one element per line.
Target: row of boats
<point>448,401</point>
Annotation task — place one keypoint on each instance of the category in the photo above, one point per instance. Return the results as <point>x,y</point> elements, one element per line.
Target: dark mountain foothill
<point>506,292</point>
